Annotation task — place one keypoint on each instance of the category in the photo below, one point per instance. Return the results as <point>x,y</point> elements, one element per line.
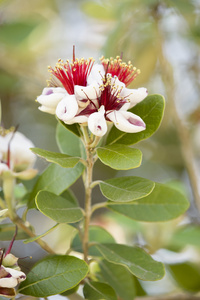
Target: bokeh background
<point>161,38</point>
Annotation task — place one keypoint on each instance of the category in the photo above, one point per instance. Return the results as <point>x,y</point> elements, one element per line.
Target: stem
<point>183,132</point>
<point>2,204</point>
<point>88,200</point>
<point>8,189</point>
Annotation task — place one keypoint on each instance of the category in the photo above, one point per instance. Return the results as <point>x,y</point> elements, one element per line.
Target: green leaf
<point>68,142</point>
<point>15,33</point>
<point>120,157</point>
<point>61,210</point>
<point>187,275</point>
<point>55,179</point>
<point>96,234</point>
<point>151,111</point>
<point>186,235</point>
<point>53,275</point>
<point>35,238</point>
<point>73,128</point>
<point>63,160</point>
<point>125,189</point>
<point>119,278</point>
<point>7,232</point>
<point>99,291</point>
<point>138,262</point>
<point>163,204</point>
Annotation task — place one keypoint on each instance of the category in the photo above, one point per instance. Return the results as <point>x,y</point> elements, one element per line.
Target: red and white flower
<point>95,94</point>
<point>15,154</point>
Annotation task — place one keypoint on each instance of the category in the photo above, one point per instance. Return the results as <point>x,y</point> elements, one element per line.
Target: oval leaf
<point>120,157</point>
<point>125,189</point>
<point>138,262</point>
<point>98,291</point>
<point>119,278</point>
<point>53,275</point>
<point>55,179</point>
<point>151,111</point>
<point>68,142</point>
<point>61,210</point>
<point>163,204</point>
<point>62,160</point>
<point>96,234</point>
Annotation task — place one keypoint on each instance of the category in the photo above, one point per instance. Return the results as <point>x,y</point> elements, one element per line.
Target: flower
<point>95,94</point>
<point>15,155</point>
<point>10,273</point>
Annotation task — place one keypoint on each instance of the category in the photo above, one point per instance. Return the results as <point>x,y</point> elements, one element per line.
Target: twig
<point>184,137</point>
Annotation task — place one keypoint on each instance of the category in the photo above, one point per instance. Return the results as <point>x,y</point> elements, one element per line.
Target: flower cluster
<point>94,94</point>
<point>15,156</point>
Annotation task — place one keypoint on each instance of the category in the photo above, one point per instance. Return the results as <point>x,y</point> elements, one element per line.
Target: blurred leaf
<point>62,160</point>
<point>120,157</point>
<point>151,111</point>
<point>0,112</point>
<point>186,235</point>
<point>187,275</point>
<point>127,188</point>
<point>14,33</point>
<point>7,82</point>
<point>95,10</point>
<point>119,278</point>
<point>61,210</point>
<point>162,204</point>
<point>146,58</point>
<point>98,291</point>
<point>7,232</point>
<point>138,262</point>
<point>53,275</point>
<point>96,234</point>
<point>55,179</point>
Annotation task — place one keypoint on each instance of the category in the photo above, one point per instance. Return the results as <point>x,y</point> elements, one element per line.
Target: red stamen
<point>71,74</point>
<point>126,73</point>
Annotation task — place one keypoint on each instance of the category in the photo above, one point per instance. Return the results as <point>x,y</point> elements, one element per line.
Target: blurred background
<point>161,38</point>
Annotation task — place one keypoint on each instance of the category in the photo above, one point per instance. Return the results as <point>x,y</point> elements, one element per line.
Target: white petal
<point>67,108</point>
<point>3,168</point>
<point>134,95</point>
<point>19,275</point>
<point>97,122</point>
<point>96,74</point>
<point>127,121</point>
<point>115,81</point>
<point>21,156</point>
<point>51,97</point>
<point>46,109</point>
<point>11,282</point>
<point>87,92</point>
<point>78,119</point>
